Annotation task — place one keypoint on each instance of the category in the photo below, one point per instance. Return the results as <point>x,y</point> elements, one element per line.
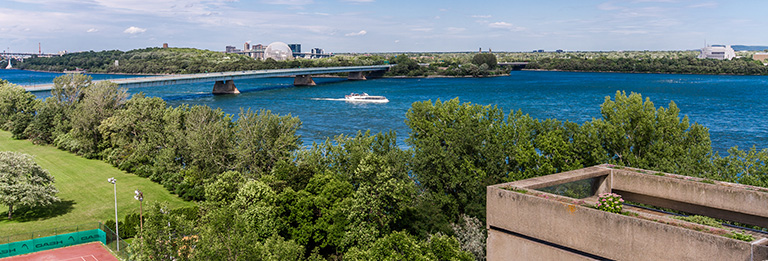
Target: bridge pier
<point>222,87</point>
<point>304,80</point>
<point>375,74</point>
<point>356,76</point>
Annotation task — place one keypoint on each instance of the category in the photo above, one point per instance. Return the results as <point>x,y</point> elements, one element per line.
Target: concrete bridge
<point>224,81</point>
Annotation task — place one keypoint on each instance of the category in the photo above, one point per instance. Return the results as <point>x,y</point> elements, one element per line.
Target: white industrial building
<point>719,52</point>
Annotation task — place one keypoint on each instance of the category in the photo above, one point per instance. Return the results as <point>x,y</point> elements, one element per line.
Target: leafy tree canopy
<point>24,183</point>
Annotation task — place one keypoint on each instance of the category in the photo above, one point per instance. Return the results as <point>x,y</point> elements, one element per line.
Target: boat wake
<point>327,99</point>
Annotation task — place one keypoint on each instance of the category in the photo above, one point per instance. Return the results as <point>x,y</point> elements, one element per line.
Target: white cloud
<point>608,6</point>
<point>705,4</point>
<point>134,30</point>
<point>288,2</point>
<point>92,30</point>
<point>628,32</point>
<point>359,1</point>
<point>454,30</point>
<point>482,16</point>
<point>361,33</point>
<point>505,25</point>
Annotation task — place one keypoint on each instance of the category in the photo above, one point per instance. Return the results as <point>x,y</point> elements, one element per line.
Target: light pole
<point>140,197</point>
<point>117,229</point>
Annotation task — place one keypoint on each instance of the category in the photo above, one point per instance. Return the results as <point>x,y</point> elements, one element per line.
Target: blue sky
<point>381,25</point>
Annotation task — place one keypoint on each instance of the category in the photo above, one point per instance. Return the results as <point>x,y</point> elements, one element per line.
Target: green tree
<point>634,133</point>
<point>404,65</point>
<point>100,101</point>
<point>135,135</point>
<point>456,153</point>
<point>741,166</point>
<point>402,246</point>
<point>68,89</point>
<point>243,226</point>
<point>17,108</point>
<point>209,134</point>
<point>166,236</point>
<point>488,59</point>
<point>262,140</point>
<point>49,122</point>
<point>379,203</point>
<point>24,183</point>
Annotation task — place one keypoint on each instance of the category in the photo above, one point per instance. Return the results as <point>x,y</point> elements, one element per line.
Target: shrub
<point>707,221</point>
<point>741,236</point>
<point>610,202</point>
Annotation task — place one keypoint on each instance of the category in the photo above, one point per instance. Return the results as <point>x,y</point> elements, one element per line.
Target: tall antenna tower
<point>39,48</point>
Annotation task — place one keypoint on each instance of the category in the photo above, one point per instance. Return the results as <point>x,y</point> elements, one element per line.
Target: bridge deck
<point>223,76</point>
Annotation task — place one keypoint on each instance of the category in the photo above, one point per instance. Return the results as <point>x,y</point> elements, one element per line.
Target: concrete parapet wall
<point>522,247</point>
<point>722,200</point>
<point>604,234</point>
<point>527,224</point>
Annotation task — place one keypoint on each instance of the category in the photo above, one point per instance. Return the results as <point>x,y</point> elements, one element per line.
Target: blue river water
<point>734,108</point>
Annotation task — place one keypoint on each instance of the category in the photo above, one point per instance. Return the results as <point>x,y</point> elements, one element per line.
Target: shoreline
<point>423,77</point>
<point>668,73</point>
<point>87,72</point>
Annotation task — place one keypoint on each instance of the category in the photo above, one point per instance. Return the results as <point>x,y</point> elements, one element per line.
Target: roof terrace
<point>553,217</point>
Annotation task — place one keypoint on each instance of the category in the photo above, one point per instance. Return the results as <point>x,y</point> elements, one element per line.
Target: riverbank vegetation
<point>262,194</point>
<point>189,60</point>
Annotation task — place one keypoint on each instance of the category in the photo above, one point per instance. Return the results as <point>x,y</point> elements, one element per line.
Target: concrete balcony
<point>533,219</point>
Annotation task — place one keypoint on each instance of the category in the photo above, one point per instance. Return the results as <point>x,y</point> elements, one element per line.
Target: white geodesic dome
<point>278,51</point>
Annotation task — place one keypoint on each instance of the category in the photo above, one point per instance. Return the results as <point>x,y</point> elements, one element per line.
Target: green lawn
<point>85,194</point>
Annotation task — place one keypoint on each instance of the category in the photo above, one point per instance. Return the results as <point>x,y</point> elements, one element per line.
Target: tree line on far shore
<point>189,60</point>
<point>261,194</point>
<point>686,65</point>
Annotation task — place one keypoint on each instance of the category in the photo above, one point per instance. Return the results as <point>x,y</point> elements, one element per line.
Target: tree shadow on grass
<point>26,214</point>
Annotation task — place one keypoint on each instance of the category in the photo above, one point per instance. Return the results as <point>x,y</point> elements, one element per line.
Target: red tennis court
<point>93,251</point>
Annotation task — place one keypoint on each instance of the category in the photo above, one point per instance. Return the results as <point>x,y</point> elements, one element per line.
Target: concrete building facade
<point>717,52</point>
<point>760,57</point>
<point>553,217</point>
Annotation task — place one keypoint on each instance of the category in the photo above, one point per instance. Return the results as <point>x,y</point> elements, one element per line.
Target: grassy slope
<point>83,188</point>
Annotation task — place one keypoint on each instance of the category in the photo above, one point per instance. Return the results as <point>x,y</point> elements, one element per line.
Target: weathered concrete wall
<point>724,200</point>
<point>562,178</point>
<point>503,246</point>
<point>604,234</point>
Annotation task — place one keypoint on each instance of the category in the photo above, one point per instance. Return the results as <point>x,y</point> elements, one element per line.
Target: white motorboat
<point>364,97</point>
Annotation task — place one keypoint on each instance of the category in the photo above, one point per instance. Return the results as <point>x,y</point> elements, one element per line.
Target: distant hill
<point>749,47</point>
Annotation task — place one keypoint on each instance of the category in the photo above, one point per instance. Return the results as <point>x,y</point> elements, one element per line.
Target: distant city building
<point>246,46</point>
<point>760,56</point>
<point>538,51</point>
<point>257,51</point>
<point>719,52</point>
<point>165,45</point>
<point>296,48</point>
<point>278,51</point>
<point>230,49</point>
